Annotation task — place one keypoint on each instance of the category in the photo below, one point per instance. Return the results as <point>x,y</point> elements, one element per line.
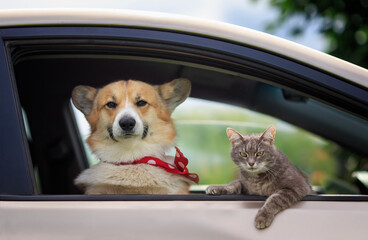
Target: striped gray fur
<point>265,171</point>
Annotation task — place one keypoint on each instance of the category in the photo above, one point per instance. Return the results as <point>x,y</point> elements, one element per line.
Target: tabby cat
<point>265,171</point>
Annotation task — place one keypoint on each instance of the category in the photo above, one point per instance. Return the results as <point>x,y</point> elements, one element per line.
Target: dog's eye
<point>141,103</point>
<point>111,105</point>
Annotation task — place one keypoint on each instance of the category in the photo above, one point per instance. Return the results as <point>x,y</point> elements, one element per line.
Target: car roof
<point>192,25</point>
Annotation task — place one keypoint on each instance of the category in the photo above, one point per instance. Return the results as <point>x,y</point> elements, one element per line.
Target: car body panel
<point>229,32</point>
<point>178,219</point>
<point>59,217</point>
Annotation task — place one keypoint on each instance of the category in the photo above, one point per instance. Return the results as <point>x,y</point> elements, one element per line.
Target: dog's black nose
<point>127,123</point>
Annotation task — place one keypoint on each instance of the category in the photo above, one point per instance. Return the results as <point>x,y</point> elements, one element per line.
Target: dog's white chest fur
<point>106,178</point>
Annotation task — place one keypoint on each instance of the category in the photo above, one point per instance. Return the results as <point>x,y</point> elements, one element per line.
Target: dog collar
<point>180,166</point>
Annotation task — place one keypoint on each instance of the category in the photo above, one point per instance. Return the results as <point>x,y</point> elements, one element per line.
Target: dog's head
<point>130,116</point>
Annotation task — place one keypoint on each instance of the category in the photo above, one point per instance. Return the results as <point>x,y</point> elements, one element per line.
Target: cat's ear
<point>269,134</point>
<point>233,136</point>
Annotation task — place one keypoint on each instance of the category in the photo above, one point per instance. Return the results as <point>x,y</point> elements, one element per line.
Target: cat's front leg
<point>275,203</point>
<point>232,188</point>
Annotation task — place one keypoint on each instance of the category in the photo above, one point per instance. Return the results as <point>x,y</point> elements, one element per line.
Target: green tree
<point>343,23</point>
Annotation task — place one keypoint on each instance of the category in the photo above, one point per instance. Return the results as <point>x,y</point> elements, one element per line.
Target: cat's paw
<point>216,190</point>
<point>263,220</point>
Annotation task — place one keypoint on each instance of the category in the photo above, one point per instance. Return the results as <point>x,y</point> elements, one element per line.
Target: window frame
<point>290,73</point>
<point>341,93</point>
<point>16,170</point>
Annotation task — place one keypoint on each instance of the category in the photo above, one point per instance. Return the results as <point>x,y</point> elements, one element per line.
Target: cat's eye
<point>258,154</point>
<point>243,154</point>
<point>111,105</point>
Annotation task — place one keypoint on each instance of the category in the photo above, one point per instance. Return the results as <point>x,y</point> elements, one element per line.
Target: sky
<point>246,13</point>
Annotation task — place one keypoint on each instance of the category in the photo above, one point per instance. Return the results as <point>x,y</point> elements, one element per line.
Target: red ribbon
<point>180,167</point>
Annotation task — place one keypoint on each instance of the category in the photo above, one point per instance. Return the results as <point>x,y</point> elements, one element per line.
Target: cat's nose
<point>251,164</point>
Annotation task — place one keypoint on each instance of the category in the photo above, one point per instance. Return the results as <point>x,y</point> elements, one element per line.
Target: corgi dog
<point>131,121</point>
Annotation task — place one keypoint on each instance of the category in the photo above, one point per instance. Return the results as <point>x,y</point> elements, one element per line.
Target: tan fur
<point>108,178</point>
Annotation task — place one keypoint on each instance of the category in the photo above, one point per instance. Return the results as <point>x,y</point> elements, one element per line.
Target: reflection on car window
<point>201,126</point>
<point>26,125</point>
<point>84,131</point>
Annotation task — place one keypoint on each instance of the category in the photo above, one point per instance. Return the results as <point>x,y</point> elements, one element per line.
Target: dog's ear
<point>175,92</point>
<point>83,97</point>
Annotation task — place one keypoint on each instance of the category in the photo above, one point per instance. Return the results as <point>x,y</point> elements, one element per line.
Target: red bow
<point>180,167</point>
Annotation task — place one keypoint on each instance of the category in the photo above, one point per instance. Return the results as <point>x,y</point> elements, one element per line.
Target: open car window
<point>324,140</point>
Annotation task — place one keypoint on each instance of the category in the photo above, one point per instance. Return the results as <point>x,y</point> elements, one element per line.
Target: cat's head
<point>253,153</point>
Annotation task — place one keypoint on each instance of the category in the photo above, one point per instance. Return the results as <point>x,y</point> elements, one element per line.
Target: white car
<point>45,53</point>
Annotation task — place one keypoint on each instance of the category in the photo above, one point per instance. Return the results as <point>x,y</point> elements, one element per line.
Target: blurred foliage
<point>201,127</point>
<point>343,23</point>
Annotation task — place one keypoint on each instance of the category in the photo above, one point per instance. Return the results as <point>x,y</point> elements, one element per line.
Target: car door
<point>42,150</point>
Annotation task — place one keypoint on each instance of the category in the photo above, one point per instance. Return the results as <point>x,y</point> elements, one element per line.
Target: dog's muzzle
<point>127,124</point>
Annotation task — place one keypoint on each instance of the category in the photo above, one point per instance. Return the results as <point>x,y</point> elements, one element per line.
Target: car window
<point>324,141</point>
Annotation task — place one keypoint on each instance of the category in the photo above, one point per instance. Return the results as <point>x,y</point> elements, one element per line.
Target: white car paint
<point>32,17</point>
<point>178,220</point>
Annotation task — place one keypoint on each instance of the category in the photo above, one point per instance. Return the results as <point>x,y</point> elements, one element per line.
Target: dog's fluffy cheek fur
<point>161,130</point>
<point>93,119</point>
<point>99,124</point>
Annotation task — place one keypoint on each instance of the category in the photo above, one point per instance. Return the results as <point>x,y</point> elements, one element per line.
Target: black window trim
<point>75,136</point>
<point>193,197</point>
<point>16,170</point>
<point>351,96</point>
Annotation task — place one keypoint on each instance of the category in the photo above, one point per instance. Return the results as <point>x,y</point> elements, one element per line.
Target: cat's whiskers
<point>271,171</point>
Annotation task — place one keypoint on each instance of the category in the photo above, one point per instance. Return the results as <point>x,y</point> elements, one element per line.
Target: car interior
<point>46,73</point>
